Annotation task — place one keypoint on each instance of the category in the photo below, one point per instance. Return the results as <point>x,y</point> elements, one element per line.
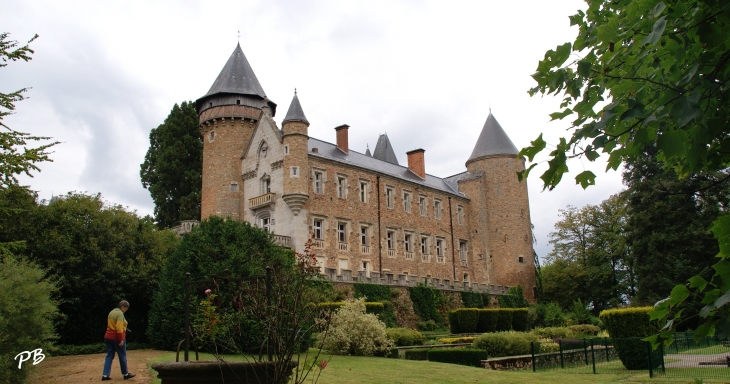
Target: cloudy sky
<point>424,72</point>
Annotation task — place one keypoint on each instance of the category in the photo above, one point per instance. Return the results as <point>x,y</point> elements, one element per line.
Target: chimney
<point>342,137</point>
<point>416,162</point>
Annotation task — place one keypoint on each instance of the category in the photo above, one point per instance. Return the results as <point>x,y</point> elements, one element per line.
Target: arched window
<point>265,184</point>
<point>263,149</point>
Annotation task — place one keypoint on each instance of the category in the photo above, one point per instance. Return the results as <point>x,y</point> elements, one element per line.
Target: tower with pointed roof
<point>295,139</point>
<point>228,112</point>
<point>499,209</point>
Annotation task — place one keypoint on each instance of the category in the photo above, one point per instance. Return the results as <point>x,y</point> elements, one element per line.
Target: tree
<point>172,168</point>
<point>590,260</point>
<point>647,73</point>
<point>14,160</point>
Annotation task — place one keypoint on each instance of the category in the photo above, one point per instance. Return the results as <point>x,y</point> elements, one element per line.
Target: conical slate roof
<point>384,151</point>
<point>237,77</point>
<point>295,112</point>
<point>493,140</point>
<point>367,152</point>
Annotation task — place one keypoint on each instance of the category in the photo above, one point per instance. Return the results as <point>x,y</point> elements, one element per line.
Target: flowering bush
<point>456,340</point>
<point>354,332</point>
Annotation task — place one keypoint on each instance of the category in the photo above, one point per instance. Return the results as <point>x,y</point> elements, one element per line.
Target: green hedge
<point>505,343</point>
<point>426,301</point>
<point>461,356</point>
<point>370,307</point>
<point>454,323</point>
<point>404,336</point>
<point>519,319</point>
<point>627,326</point>
<point>392,353</point>
<point>417,354</point>
<point>468,319</point>
<point>488,320</point>
<point>88,349</point>
<point>504,322</point>
<point>585,330</point>
<point>373,292</point>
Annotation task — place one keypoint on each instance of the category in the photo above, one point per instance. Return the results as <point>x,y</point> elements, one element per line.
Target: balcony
<point>440,259</point>
<point>260,201</point>
<point>342,246</point>
<point>364,249</point>
<point>284,241</point>
<point>425,258</point>
<point>318,243</point>
<point>409,255</point>
<point>463,263</point>
<point>391,253</point>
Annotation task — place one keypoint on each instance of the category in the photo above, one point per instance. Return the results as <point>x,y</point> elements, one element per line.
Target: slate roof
<point>367,152</point>
<point>493,140</point>
<point>331,152</point>
<point>384,151</point>
<point>295,112</point>
<point>237,77</point>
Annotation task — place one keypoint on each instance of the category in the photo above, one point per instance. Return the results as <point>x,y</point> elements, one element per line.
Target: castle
<point>369,217</point>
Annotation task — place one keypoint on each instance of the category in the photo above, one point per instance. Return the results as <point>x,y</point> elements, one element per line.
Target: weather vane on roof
<point>295,91</point>
<point>239,36</point>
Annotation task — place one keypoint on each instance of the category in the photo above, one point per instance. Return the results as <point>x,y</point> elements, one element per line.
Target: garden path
<point>87,368</point>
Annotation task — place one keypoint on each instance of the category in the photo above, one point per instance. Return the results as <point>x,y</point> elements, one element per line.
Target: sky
<point>424,72</point>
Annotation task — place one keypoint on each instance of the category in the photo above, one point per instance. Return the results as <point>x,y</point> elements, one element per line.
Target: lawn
<point>356,370</point>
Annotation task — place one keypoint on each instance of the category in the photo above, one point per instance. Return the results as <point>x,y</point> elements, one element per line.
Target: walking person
<point>116,343</point>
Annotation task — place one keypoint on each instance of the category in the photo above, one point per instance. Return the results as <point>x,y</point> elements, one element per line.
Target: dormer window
<point>265,184</point>
<point>238,102</point>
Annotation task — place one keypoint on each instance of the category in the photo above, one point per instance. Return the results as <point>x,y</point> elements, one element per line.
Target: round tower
<point>228,114</point>
<point>295,128</point>
<point>501,210</point>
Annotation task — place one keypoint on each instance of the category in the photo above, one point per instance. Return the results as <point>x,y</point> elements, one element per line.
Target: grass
<point>356,370</point>
<point>711,350</point>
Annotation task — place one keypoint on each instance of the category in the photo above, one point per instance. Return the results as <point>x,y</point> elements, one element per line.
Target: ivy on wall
<point>426,301</point>
<point>378,293</point>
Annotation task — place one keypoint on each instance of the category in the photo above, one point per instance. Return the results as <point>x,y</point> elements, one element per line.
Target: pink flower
<point>208,291</point>
<point>322,364</point>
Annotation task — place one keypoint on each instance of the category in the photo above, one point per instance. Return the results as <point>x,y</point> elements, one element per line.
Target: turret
<point>500,210</point>
<point>228,114</point>
<point>295,128</point>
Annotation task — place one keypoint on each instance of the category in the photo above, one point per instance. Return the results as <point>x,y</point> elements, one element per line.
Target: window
<point>266,223</point>
<point>342,187</point>
<point>424,245</point>
<point>389,192</point>
<point>462,251</point>
<point>211,136</point>
<point>342,232</point>
<point>391,239</point>
<point>294,172</point>
<point>466,278</point>
<point>364,191</point>
<point>521,259</point>
<point>437,208</point>
<point>318,182</point>
<point>318,227</point>
<point>238,102</point>
<point>364,235</point>
<point>440,248</point>
<point>407,242</point>
<point>407,201</point>
<point>263,150</point>
<point>234,187</point>
<point>422,204</point>
<point>286,150</point>
<point>460,215</point>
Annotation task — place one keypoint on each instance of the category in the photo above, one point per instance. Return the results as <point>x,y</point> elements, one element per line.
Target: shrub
<point>580,314</point>
<point>488,319</point>
<point>546,346</point>
<point>468,319</point>
<point>354,332</point>
<point>584,330</point>
<point>457,340</point>
<point>370,307</point>
<point>505,343</point>
<point>513,298</point>
<point>378,293</point>
<point>504,321</point>
<point>519,319</point>
<point>426,301</point>
<point>429,325</point>
<point>471,299</point>
<point>391,353</point>
<point>553,332</point>
<point>404,336</point>
<point>462,356</point>
<point>26,313</point>
<point>453,323</point>
<point>417,354</point>
<point>88,349</point>
<point>628,323</point>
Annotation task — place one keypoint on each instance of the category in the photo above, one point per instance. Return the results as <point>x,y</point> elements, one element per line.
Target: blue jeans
<point>112,347</point>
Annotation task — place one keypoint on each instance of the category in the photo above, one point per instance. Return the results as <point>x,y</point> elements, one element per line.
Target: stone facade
<point>368,218</point>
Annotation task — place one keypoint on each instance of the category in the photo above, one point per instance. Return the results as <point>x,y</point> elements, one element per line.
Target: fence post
<point>187,314</point>
<point>648,359</point>
<point>532,351</point>
<point>605,347</point>
<point>661,350</point>
<point>676,343</point>
<point>593,357</point>
<point>562,361</point>
<point>585,349</point>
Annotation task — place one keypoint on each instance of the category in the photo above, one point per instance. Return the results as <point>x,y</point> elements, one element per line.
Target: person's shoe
<point>129,376</point>
<point>105,378</point>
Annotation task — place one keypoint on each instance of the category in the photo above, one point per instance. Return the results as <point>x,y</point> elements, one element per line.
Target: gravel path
<point>87,368</point>
<point>693,361</point>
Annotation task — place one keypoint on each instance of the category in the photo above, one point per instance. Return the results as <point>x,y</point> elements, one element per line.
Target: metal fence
<point>707,358</point>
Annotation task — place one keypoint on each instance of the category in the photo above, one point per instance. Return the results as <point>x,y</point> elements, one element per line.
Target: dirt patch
<point>87,368</point>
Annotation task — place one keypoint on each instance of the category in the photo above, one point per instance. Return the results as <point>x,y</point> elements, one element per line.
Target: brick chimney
<point>342,137</point>
<point>416,162</point>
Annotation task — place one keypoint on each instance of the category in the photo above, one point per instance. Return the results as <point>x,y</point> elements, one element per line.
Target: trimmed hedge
<point>504,322</point>
<point>392,353</point>
<point>462,356</point>
<point>370,307</point>
<point>505,343</point>
<point>404,336</point>
<point>585,329</point>
<point>417,354</point>
<point>627,326</point>
<point>453,323</point>
<point>488,320</point>
<point>519,319</point>
<point>468,319</point>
